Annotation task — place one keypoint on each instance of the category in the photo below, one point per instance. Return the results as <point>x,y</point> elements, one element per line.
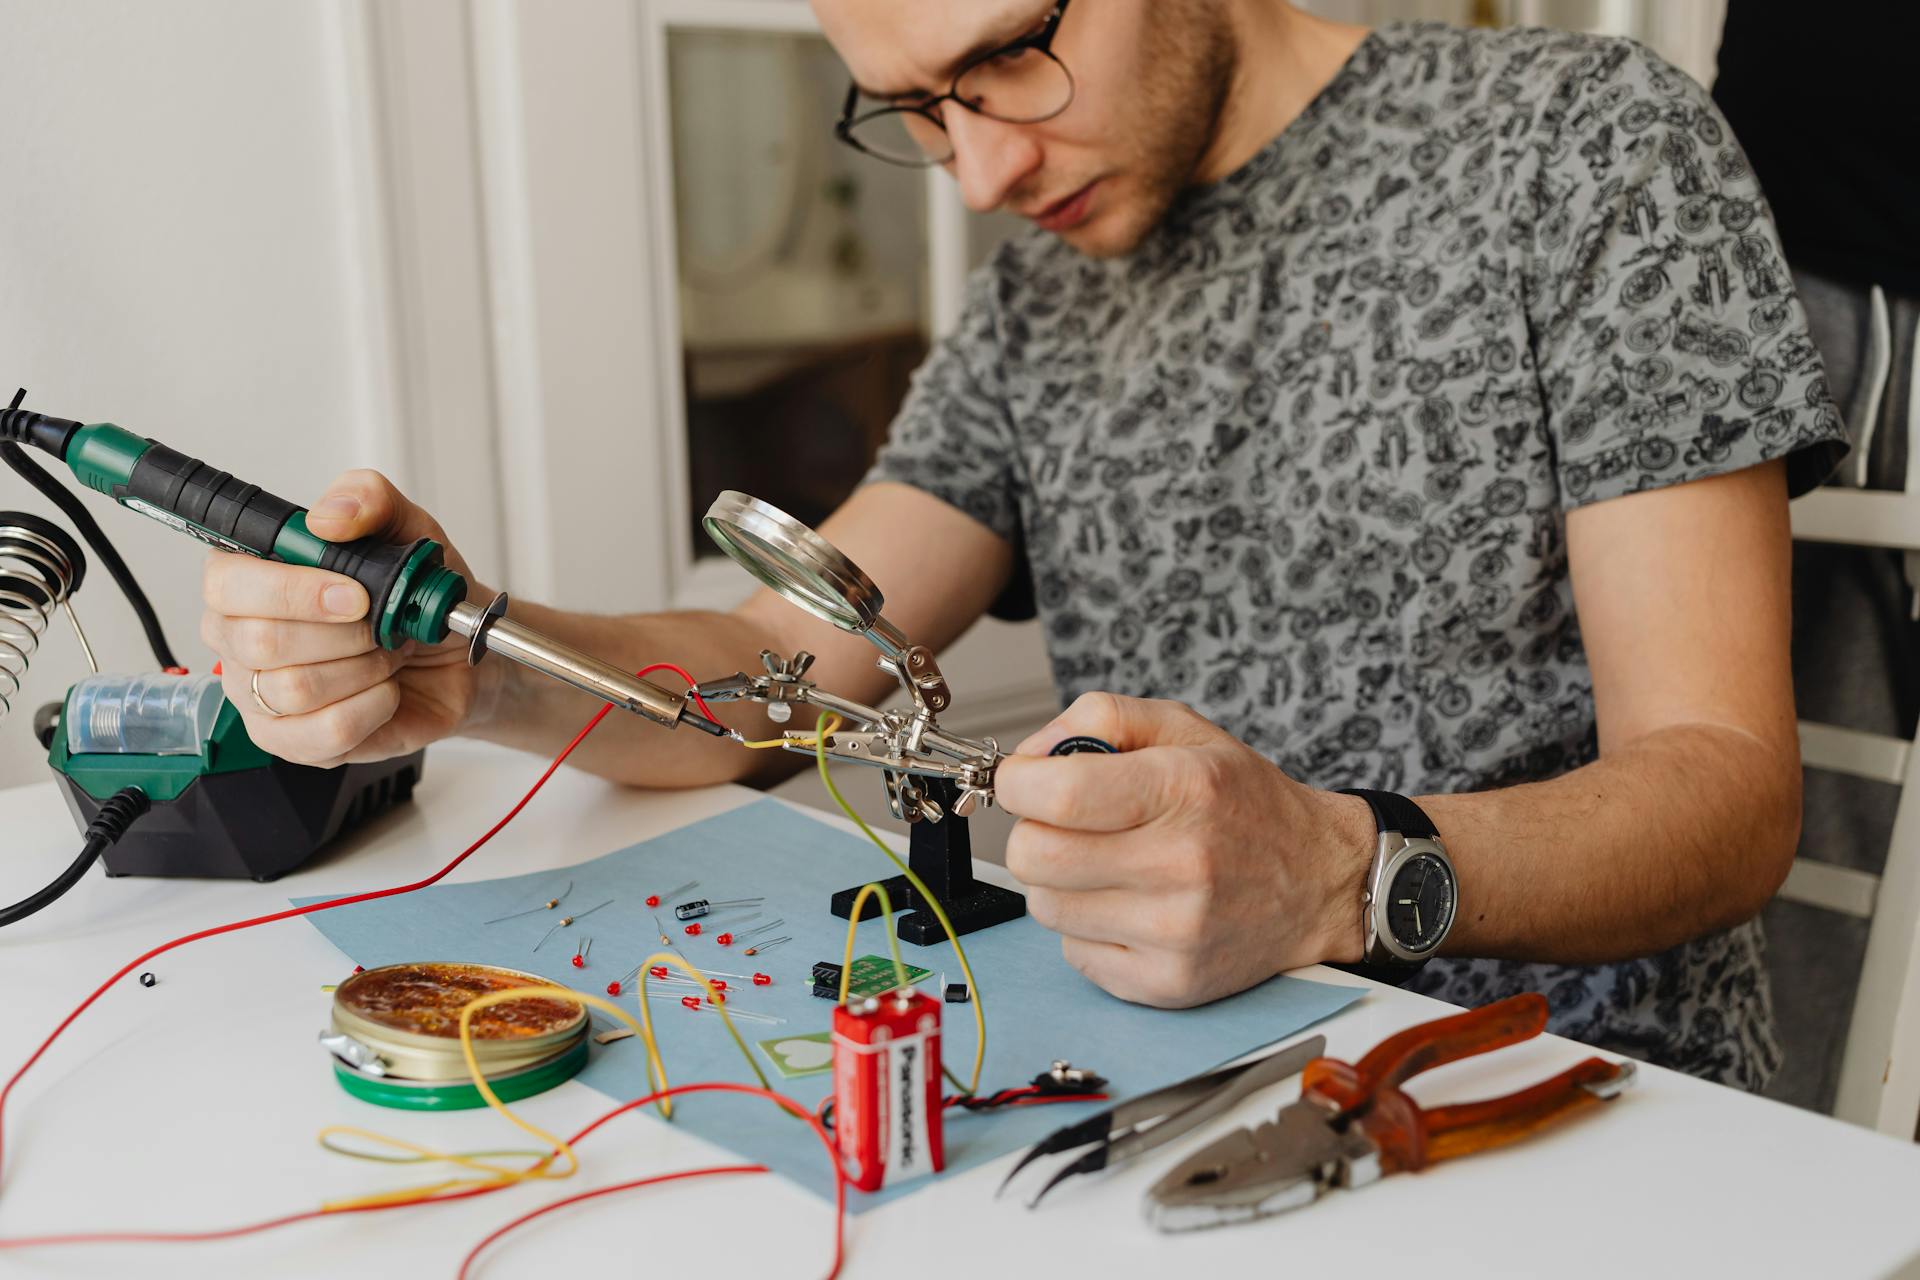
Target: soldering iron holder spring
<point>40,568</point>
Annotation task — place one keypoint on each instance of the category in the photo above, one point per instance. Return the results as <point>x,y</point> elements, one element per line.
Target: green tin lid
<point>422,1095</point>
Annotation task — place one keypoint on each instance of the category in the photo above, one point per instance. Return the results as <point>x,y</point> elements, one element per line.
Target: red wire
<point>693,686</point>
<point>711,1086</point>
<point>310,908</point>
<point>466,1263</point>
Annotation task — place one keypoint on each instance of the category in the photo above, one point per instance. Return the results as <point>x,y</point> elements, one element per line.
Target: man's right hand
<point>341,698</point>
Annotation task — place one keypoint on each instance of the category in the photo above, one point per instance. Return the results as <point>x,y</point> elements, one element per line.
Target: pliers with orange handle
<point>1353,1125</point>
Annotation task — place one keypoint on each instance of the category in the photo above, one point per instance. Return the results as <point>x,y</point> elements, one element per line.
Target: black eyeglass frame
<point>1040,42</point>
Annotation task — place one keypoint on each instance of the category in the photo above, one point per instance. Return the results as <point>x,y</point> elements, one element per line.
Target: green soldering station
<point>158,768</point>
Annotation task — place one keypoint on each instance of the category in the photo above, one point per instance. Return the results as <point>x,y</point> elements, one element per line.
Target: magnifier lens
<point>790,577</point>
<point>794,561</point>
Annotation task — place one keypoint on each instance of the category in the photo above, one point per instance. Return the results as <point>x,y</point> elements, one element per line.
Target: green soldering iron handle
<point>411,589</point>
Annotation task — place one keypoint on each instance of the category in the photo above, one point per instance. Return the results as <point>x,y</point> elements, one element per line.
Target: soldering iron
<point>413,594</point>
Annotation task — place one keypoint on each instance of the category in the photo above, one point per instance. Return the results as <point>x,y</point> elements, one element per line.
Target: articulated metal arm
<point>905,744</point>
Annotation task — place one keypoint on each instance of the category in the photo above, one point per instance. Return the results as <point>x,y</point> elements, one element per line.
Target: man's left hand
<point>1186,867</point>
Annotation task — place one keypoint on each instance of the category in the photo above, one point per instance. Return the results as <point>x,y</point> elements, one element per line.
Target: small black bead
<point>147,979</point>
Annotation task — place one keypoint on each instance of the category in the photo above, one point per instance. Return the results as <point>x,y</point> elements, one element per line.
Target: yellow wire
<point>539,1168</point>
<point>655,1067</point>
<point>421,1155</point>
<point>833,722</point>
<point>939,912</point>
<point>853,927</point>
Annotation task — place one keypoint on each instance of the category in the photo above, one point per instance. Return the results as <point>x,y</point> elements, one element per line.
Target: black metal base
<point>941,854</point>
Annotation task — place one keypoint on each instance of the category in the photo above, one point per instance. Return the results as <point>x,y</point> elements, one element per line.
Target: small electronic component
<point>567,920</point>
<point>548,905</point>
<point>654,899</point>
<point>956,992</point>
<point>701,906</point>
<point>580,953</point>
<point>147,979</point>
<point>768,945</point>
<point>872,976</point>
<point>886,1087</point>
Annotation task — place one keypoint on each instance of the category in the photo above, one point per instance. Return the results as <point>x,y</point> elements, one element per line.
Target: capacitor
<point>700,906</point>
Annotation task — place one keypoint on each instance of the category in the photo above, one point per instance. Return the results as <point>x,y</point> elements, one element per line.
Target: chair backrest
<point>1880,1067</point>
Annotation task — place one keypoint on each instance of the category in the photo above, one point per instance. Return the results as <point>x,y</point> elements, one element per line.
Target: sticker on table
<point>796,1056</point>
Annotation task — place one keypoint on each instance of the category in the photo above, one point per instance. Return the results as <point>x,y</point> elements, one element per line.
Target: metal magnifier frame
<point>802,567</point>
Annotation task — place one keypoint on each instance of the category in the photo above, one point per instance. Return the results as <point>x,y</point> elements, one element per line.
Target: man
<point>1417,407</point>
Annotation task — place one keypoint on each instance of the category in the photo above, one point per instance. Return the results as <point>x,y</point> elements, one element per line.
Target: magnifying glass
<point>802,567</point>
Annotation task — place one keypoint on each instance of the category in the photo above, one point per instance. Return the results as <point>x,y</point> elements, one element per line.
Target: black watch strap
<point>1393,975</point>
<point>1397,813</point>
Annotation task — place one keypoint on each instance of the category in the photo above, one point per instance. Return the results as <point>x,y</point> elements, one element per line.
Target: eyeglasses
<point>1018,83</point>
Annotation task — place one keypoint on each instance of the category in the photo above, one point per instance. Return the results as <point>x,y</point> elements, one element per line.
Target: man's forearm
<point>1688,830</point>
<point>522,708</point>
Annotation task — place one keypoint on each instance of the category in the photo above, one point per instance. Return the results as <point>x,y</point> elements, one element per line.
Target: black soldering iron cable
<point>58,494</point>
<point>116,815</point>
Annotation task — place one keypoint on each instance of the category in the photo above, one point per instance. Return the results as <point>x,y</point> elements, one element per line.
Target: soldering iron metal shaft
<point>529,648</point>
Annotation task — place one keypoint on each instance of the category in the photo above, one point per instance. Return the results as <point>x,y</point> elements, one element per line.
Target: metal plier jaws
<point>1140,1124</point>
<point>1353,1125</point>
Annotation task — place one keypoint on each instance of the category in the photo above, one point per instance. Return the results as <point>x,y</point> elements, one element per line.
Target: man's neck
<point>1283,58</point>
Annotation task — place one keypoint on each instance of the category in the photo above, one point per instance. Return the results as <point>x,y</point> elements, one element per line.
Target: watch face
<point>1420,902</point>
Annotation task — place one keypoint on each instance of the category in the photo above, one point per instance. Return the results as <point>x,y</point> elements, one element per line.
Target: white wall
<point>176,256</point>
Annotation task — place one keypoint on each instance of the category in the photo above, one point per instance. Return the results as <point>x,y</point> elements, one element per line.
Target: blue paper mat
<point>1038,1008</point>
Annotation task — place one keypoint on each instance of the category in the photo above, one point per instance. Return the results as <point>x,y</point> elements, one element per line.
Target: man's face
<point>1149,80</point>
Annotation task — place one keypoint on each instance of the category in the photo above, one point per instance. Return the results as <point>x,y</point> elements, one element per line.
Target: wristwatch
<point>1411,896</point>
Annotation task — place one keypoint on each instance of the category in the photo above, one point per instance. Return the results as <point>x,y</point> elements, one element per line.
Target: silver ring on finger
<point>261,702</point>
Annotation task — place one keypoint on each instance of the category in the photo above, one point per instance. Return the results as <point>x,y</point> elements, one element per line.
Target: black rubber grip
<point>374,564</point>
<point>242,513</point>
<point>1397,813</point>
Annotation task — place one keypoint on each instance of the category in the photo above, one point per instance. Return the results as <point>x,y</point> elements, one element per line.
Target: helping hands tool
<point>1139,1125</point>
<point>1353,1125</point>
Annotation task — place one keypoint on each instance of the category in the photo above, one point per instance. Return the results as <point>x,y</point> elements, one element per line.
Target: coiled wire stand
<point>41,567</point>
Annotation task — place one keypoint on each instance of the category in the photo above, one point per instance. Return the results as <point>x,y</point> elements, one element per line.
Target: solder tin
<point>409,1015</point>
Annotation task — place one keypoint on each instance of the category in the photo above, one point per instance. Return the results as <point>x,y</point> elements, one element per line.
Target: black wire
<point>115,816</point>
<point>58,494</point>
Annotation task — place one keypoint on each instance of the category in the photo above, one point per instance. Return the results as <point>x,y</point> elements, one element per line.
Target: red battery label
<point>886,1088</point>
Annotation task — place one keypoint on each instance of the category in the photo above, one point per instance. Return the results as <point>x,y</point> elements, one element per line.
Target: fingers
<point>261,644</point>
<point>322,737</point>
<point>1092,792</point>
<point>243,587</point>
<point>365,504</point>
<point>1127,724</point>
<point>1141,975</point>
<point>295,691</point>
<point>1045,856</point>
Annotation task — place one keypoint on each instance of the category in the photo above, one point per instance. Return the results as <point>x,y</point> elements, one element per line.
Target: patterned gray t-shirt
<point>1303,460</point>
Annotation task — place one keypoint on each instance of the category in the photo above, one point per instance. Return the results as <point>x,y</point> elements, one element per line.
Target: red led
<point>613,988</point>
<point>692,1002</point>
<point>762,980</point>
<point>718,997</point>
<point>693,930</point>
<point>659,971</point>
<point>724,939</point>
<point>358,969</point>
<point>718,984</point>
<point>579,962</point>
<point>653,899</point>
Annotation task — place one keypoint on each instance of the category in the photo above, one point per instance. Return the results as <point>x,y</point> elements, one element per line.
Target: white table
<point>193,1105</point>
